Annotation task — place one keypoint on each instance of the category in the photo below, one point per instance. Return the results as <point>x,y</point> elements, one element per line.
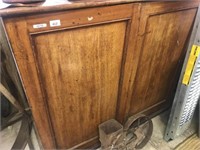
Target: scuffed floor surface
<point>159,124</point>
<point>8,135</point>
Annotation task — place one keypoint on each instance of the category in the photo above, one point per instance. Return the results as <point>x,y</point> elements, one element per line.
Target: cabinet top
<point>59,5</point>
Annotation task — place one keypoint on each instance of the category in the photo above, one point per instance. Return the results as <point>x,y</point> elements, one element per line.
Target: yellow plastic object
<point>190,64</point>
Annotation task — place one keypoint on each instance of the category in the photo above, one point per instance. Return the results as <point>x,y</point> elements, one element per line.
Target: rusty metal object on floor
<point>135,134</point>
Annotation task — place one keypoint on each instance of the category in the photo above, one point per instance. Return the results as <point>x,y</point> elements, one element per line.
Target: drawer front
<point>77,18</point>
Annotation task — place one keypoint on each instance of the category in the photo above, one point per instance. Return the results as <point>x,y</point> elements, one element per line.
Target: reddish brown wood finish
<point>66,5</point>
<point>23,53</point>
<point>72,72</point>
<point>95,66</point>
<point>80,80</point>
<point>163,31</point>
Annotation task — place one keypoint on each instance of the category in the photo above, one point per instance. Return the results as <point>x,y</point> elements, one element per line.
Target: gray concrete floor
<point>159,124</point>
<point>8,135</point>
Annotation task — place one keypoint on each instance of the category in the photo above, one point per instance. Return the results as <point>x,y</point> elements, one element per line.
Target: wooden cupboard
<point>82,67</point>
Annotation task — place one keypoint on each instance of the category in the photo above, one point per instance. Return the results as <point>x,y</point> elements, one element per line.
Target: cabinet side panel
<point>22,50</point>
<point>80,72</point>
<point>162,48</point>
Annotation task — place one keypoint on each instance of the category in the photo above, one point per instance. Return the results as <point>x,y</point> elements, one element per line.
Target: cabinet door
<point>164,28</point>
<point>70,63</point>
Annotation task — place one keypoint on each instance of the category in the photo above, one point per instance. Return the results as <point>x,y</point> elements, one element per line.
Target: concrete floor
<point>159,125</point>
<point>8,135</point>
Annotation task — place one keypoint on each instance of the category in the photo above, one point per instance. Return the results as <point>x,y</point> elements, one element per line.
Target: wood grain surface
<point>192,143</point>
<point>74,18</point>
<point>111,40</point>
<point>79,71</point>
<point>121,62</point>
<point>24,58</point>
<point>163,34</point>
<point>66,5</point>
<point>9,72</point>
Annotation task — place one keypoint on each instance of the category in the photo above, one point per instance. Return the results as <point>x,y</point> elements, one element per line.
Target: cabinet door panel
<point>71,72</point>
<point>163,37</point>
<point>80,71</point>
